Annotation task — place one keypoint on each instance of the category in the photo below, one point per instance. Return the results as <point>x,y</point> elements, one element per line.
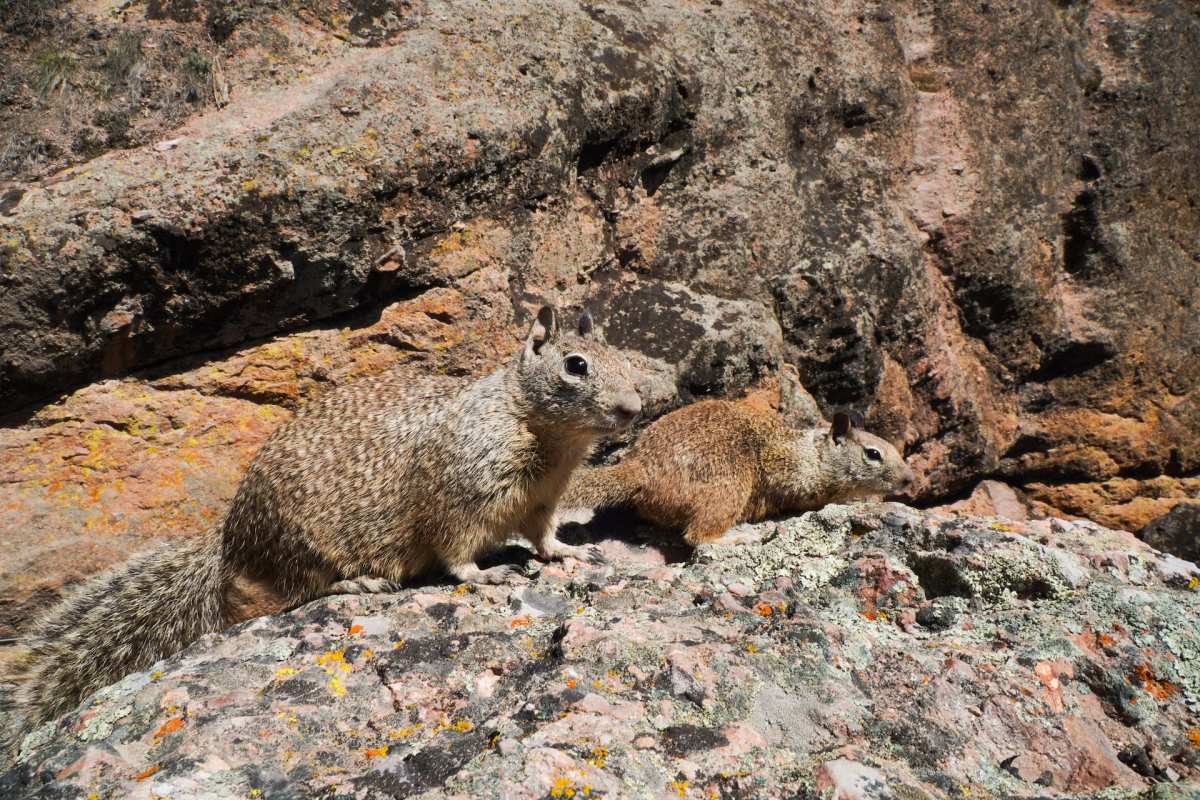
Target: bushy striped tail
<point>600,487</point>
<point>119,622</point>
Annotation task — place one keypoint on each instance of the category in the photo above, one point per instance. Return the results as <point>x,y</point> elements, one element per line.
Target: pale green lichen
<point>804,549</point>
<point>100,726</point>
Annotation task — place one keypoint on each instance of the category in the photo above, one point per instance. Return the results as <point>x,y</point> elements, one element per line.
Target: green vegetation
<point>197,75</point>
<point>53,69</point>
<point>122,57</point>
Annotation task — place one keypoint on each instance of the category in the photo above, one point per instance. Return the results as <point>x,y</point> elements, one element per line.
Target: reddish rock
<point>737,186</point>
<point>991,499</point>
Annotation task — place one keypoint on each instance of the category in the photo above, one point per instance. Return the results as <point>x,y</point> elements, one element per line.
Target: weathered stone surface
<point>1177,532</point>
<point>785,669</point>
<point>978,224</point>
<point>988,241</point>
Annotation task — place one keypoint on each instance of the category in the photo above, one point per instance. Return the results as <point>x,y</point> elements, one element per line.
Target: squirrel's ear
<point>856,420</point>
<point>841,425</point>
<point>585,324</point>
<point>543,329</point>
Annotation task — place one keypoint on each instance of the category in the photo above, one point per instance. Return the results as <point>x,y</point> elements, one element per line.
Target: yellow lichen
<point>405,732</point>
<point>599,756</point>
<point>563,787</point>
<point>333,660</point>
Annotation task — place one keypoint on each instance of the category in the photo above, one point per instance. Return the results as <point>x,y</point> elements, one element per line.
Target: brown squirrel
<point>370,485</point>
<point>713,464</point>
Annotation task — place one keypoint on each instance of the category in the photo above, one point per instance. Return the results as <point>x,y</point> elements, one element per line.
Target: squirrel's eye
<point>874,454</point>
<point>576,365</point>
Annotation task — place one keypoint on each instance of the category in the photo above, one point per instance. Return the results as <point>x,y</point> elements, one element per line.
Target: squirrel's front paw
<point>591,554</point>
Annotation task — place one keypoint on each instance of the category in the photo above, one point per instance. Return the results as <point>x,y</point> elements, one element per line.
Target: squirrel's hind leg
<point>709,524</point>
<point>715,509</point>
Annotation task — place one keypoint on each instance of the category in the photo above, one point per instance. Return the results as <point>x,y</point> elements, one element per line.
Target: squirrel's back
<point>703,455</point>
<point>338,484</point>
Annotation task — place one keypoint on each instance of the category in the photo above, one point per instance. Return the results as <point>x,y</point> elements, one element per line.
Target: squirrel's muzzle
<point>627,407</point>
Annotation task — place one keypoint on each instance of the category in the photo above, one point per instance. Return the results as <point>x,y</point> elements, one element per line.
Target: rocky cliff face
<point>976,222</point>
<point>860,652</point>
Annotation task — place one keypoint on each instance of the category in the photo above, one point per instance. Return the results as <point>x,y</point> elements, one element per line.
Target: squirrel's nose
<point>628,406</point>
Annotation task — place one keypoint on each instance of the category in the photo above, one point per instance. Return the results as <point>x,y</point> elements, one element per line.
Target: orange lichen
<point>521,622</point>
<point>764,609</point>
<point>1194,737</point>
<point>377,752</point>
<point>355,630</point>
<point>170,726</point>
<point>141,776</point>
<point>1158,689</point>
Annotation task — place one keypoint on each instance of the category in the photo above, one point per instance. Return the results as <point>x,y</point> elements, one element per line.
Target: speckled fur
<point>368,486</point>
<point>713,464</point>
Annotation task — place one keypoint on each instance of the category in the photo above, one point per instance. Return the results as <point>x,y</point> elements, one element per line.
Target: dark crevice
<point>593,154</point>
<point>1027,443</point>
<point>1073,359</point>
<point>939,576</point>
<point>1081,229</point>
<point>655,175</point>
<point>1142,472</point>
<point>1088,169</point>
<point>854,115</point>
<point>360,317</point>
